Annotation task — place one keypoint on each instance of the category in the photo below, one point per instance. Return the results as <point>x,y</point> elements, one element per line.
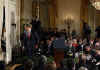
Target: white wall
<point>68,8</point>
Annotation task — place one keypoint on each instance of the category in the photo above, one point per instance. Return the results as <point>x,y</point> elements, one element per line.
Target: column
<point>8,49</point>
<point>10,14</point>
<point>1,19</point>
<point>18,17</point>
<point>1,24</point>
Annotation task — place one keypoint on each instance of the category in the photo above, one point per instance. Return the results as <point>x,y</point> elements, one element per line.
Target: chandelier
<point>96,4</point>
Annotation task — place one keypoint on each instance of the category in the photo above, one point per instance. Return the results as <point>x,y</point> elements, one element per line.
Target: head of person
<point>92,42</point>
<point>97,45</point>
<point>75,41</point>
<point>49,41</point>
<point>83,68</point>
<point>80,41</point>
<point>42,42</point>
<point>88,48</point>
<point>29,64</point>
<point>52,38</point>
<point>69,42</point>
<point>28,27</point>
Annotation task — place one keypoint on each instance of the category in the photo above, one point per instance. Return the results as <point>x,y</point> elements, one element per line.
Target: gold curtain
<point>84,13</point>
<point>35,7</point>
<point>52,12</point>
<point>84,10</point>
<point>21,15</point>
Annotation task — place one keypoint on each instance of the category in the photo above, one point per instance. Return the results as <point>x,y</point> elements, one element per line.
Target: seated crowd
<point>43,43</point>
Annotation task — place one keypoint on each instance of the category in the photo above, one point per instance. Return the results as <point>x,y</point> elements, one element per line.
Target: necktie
<point>29,34</point>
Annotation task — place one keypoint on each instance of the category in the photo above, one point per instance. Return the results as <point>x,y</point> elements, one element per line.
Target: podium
<point>59,56</point>
<point>59,51</point>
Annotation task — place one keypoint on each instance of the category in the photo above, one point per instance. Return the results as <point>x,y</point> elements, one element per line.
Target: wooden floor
<point>12,67</point>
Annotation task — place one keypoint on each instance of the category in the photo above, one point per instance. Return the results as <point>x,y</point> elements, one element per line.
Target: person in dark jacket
<point>49,48</point>
<point>97,32</point>
<point>36,29</point>
<point>86,31</point>
<point>28,40</point>
<point>2,65</point>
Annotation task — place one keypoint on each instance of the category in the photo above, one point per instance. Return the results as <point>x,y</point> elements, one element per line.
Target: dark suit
<point>36,25</point>
<point>49,50</point>
<point>98,32</point>
<point>36,29</point>
<point>28,43</point>
<point>2,65</point>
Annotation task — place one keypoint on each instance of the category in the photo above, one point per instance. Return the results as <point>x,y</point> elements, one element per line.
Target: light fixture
<point>68,22</point>
<point>96,4</point>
